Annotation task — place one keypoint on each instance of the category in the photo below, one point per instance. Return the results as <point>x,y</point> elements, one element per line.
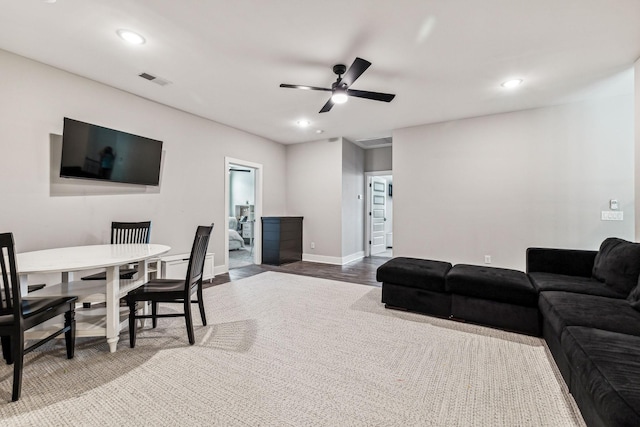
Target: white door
<point>378,213</point>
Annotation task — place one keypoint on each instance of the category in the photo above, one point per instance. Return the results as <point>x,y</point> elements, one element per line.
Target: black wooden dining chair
<point>126,232</point>
<point>173,290</point>
<point>17,315</point>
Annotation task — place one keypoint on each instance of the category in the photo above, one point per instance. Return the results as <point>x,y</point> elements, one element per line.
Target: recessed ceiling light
<point>319,131</point>
<point>50,1</point>
<point>130,36</point>
<point>510,84</point>
<point>303,123</point>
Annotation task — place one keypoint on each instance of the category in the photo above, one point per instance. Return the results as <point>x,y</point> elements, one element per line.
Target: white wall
<point>35,98</point>
<point>498,184</point>
<point>352,207</point>
<point>314,191</point>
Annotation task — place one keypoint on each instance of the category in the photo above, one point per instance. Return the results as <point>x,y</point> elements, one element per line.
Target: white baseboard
<point>323,259</point>
<point>353,257</point>
<point>220,269</point>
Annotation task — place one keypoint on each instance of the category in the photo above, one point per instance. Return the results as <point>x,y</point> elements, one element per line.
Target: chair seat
<point>35,306</point>
<point>160,285</point>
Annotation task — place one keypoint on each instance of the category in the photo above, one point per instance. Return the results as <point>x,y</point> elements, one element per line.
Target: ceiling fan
<point>340,91</point>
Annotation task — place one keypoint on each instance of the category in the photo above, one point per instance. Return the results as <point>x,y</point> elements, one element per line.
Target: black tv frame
<point>95,166</point>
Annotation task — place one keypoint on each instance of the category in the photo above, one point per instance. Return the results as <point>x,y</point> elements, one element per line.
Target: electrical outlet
<point>487,259</point>
<point>612,216</point>
<point>313,245</point>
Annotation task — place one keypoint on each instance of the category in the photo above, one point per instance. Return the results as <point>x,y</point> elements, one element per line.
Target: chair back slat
<point>11,298</point>
<point>130,232</point>
<point>197,258</point>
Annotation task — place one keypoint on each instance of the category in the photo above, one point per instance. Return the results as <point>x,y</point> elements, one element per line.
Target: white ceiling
<point>444,59</point>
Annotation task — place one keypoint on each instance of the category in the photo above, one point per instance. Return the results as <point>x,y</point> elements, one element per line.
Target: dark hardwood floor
<point>362,271</point>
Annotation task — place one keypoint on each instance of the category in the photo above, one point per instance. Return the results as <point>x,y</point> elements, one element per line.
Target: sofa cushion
<point>562,309</point>
<point>607,365</point>
<point>414,273</point>
<point>581,285</point>
<point>617,264</point>
<point>634,297</point>
<point>494,284</point>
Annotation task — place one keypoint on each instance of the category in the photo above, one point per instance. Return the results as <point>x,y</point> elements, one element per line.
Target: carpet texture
<point>288,350</point>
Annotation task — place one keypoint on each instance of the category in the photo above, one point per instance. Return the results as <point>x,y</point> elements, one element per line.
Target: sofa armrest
<point>571,262</point>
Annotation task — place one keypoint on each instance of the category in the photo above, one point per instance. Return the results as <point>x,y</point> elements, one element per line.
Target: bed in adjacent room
<point>235,240</point>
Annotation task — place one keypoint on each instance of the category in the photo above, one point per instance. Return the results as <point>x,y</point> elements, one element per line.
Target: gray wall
<point>314,191</point>
<point>45,212</point>
<point>498,184</point>
<point>352,207</point>
<point>324,179</point>
<point>378,159</point>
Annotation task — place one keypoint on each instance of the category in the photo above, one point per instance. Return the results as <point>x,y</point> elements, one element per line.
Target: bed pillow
<point>617,264</point>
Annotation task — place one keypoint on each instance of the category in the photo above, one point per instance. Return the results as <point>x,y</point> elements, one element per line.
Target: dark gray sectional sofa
<point>590,307</point>
<point>586,305</point>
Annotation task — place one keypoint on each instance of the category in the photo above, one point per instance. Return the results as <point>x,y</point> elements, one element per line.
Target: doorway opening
<point>379,214</point>
<point>243,209</point>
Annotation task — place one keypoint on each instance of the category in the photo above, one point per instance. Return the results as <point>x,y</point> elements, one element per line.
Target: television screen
<point>95,152</point>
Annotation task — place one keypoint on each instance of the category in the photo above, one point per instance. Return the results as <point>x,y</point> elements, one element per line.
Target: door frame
<point>257,225</point>
<point>367,217</point>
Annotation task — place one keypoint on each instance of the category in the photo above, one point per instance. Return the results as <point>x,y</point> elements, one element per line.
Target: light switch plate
<point>612,216</point>
<point>613,204</point>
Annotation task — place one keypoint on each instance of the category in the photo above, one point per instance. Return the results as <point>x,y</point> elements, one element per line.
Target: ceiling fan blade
<point>305,87</point>
<point>328,106</point>
<point>358,67</point>
<point>376,96</point>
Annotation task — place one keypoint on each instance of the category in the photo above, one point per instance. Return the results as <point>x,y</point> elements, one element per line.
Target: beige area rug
<point>288,350</point>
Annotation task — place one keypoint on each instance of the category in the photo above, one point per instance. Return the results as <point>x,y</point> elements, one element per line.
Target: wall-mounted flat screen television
<point>95,152</point>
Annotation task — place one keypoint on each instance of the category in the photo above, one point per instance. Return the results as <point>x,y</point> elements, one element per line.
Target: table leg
<point>113,307</point>
<point>143,271</point>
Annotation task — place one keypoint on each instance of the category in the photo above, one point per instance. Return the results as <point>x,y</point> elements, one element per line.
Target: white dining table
<point>102,320</point>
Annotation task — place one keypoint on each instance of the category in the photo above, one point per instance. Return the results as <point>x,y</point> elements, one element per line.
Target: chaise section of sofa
<point>560,310</point>
<point>605,381</point>
<point>590,306</point>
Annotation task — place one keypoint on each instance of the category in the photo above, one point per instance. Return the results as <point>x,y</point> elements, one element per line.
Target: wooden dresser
<point>281,239</point>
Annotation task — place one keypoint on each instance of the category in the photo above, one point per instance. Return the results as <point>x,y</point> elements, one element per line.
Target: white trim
<point>257,225</point>
<point>353,257</point>
<point>367,208</point>
<point>323,259</point>
<point>220,269</point>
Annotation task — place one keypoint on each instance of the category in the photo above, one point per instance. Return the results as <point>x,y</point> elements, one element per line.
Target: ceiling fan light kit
<point>340,89</point>
<point>339,96</point>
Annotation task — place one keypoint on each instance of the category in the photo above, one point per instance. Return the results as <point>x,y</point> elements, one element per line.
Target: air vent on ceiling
<point>374,142</point>
<point>155,79</point>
